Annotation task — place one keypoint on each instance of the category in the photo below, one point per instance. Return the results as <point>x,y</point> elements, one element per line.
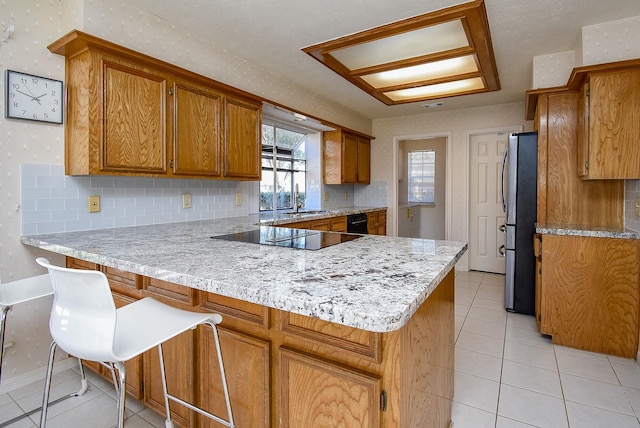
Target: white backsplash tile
<point>51,202</point>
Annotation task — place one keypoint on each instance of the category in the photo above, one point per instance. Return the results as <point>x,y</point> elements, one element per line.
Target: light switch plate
<point>238,199</point>
<point>638,207</point>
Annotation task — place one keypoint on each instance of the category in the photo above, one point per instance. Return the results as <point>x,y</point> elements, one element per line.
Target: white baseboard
<point>19,381</point>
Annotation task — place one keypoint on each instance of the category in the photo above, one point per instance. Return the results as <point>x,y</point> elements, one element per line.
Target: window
<point>283,168</point>
<point>421,176</point>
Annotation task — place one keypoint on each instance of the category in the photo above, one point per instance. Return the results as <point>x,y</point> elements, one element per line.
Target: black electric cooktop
<point>289,238</point>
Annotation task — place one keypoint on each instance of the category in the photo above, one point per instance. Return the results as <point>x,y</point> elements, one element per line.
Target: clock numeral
<point>55,102</point>
<point>35,80</point>
<point>35,115</point>
<point>12,94</point>
<point>24,112</point>
<point>15,86</point>
<point>46,115</point>
<point>15,104</point>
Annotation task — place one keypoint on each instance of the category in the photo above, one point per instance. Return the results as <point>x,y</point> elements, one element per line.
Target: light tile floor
<point>507,376</point>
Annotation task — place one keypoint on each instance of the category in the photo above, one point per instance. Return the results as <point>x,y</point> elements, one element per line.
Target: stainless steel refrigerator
<point>519,199</point>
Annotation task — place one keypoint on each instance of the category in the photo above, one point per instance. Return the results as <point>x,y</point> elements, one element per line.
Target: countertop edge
<point>376,322</point>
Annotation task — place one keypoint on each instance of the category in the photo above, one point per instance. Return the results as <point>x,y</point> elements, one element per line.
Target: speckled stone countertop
<point>587,231</point>
<point>374,283</point>
<point>281,217</point>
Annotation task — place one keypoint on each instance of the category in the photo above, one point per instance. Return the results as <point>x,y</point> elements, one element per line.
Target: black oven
<point>357,223</point>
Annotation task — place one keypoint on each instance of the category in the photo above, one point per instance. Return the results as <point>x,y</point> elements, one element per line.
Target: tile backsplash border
<point>51,202</point>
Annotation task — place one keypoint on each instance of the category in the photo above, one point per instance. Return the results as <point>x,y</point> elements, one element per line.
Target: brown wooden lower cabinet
<point>590,293</point>
<point>376,223</point>
<point>288,370</point>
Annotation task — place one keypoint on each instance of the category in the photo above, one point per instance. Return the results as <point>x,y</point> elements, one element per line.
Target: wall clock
<point>32,97</point>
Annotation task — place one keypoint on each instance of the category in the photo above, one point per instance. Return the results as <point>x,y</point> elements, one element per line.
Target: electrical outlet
<point>326,196</point>
<point>238,199</point>
<point>346,196</point>
<point>638,207</point>
<point>186,200</point>
<point>94,203</point>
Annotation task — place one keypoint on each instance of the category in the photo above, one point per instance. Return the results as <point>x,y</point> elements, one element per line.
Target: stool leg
<point>223,377</point>
<point>84,384</point>
<point>47,385</point>
<point>168,422</point>
<point>3,320</point>
<point>122,372</point>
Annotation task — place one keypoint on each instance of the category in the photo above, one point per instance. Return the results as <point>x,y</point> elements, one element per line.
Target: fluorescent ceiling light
<point>423,41</point>
<point>439,90</point>
<point>418,58</point>
<point>418,73</point>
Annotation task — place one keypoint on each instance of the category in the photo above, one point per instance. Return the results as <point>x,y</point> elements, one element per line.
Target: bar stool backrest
<point>83,316</point>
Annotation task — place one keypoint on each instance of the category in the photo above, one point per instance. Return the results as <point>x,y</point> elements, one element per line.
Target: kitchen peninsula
<point>357,334</point>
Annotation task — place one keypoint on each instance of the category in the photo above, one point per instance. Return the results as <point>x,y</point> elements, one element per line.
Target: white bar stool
<point>85,323</point>
<point>21,291</point>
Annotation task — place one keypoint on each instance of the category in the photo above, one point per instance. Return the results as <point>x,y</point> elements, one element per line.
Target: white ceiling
<point>271,33</point>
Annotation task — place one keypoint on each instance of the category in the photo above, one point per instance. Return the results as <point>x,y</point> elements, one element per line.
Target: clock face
<point>33,98</point>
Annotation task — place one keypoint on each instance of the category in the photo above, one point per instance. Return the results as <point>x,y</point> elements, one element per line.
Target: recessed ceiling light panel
<point>419,58</point>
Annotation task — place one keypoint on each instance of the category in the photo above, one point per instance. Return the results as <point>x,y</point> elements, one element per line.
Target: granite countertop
<point>374,283</point>
<point>587,231</point>
<point>284,217</point>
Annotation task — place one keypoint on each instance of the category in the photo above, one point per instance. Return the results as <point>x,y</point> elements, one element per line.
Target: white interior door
<point>485,207</point>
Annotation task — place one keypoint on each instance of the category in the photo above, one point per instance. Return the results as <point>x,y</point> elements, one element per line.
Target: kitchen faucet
<point>296,196</point>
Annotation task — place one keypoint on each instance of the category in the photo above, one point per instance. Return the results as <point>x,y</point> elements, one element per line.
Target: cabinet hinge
<point>170,90</point>
<point>383,401</point>
<point>586,165</point>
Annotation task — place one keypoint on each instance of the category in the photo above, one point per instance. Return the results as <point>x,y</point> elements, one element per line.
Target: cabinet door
<point>318,393</point>
<point>247,362</point>
<point>243,143</point>
<point>364,161</point>
<point>614,129</point>
<point>590,293</point>
<point>134,119</point>
<point>134,365</point>
<point>349,158</point>
<point>178,354</point>
<point>197,131</point>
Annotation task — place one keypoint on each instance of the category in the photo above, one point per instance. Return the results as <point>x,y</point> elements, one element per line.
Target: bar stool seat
<point>85,323</point>
<point>21,291</point>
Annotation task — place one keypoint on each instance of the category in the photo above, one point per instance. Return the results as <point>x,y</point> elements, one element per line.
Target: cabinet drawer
<point>361,343</point>
<point>339,224</point>
<point>80,264</point>
<point>230,307</point>
<point>169,291</point>
<point>123,282</point>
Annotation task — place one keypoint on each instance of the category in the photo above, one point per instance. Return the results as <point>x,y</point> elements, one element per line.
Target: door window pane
<point>421,173</point>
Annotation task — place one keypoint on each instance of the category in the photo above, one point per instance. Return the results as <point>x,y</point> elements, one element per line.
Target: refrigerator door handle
<point>504,163</point>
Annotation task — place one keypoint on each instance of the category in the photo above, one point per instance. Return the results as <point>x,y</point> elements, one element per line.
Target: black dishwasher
<point>357,223</point>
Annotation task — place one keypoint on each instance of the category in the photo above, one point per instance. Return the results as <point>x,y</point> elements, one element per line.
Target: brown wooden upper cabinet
<point>346,158</point>
<point>609,125</point>
<point>131,114</point>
